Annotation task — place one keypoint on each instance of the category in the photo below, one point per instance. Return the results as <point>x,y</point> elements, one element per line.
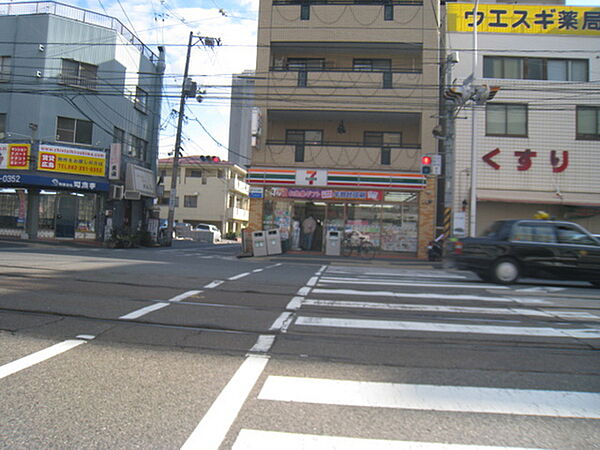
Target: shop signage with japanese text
<point>524,159</point>
<point>54,158</point>
<point>326,194</point>
<point>17,179</point>
<point>528,19</point>
<point>15,156</point>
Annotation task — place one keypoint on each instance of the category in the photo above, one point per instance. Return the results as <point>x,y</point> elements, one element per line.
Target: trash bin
<point>332,243</point>
<point>273,242</point>
<point>259,243</point>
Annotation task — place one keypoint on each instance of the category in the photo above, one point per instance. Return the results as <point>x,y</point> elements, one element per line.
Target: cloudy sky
<point>168,23</point>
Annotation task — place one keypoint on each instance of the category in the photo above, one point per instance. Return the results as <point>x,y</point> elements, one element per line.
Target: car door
<point>533,244</point>
<point>580,251</point>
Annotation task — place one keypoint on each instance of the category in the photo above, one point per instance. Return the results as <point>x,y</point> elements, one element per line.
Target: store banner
<point>326,194</point>
<point>525,19</point>
<point>54,158</point>
<point>140,179</point>
<point>311,177</point>
<point>15,156</point>
<point>24,180</point>
<point>114,163</point>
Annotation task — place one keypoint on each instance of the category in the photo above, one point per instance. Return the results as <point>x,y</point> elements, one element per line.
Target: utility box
<point>273,242</point>
<point>333,243</point>
<point>259,243</point>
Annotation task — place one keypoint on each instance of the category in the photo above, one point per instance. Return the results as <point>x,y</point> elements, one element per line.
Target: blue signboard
<point>19,179</point>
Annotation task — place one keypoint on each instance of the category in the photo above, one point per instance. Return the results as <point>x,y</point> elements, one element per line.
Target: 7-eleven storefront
<point>394,209</point>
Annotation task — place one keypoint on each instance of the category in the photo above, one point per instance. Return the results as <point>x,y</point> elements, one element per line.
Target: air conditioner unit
<point>132,195</point>
<point>116,192</point>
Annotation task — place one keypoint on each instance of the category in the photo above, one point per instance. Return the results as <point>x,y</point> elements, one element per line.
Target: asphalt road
<point>193,347</point>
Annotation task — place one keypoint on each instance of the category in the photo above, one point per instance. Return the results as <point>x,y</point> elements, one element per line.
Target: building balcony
<point>238,214</point>
<point>238,186</point>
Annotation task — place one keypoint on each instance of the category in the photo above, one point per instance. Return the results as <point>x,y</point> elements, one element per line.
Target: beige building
<point>207,192</point>
<point>347,94</point>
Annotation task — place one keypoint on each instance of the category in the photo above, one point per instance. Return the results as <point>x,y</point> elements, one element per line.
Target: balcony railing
<point>79,14</point>
<point>239,186</point>
<point>238,214</point>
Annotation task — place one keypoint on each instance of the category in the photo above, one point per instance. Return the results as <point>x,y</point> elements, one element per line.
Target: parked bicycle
<point>354,242</point>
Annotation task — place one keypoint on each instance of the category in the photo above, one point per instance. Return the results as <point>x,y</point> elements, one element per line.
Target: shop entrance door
<point>66,216</point>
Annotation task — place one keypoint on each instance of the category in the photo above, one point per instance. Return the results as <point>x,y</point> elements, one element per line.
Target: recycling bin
<point>259,243</point>
<point>333,243</point>
<point>273,242</point>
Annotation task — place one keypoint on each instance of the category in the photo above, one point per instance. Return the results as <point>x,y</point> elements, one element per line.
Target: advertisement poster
<point>14,156</point>
<point>53,158</point>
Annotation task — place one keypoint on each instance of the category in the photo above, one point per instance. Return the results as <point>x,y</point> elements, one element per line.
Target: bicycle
<point>353,242</point>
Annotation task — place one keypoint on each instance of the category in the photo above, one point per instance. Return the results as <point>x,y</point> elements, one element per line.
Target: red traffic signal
<point>426,165</point>
<point>210,158</point>
<point>425,160</point>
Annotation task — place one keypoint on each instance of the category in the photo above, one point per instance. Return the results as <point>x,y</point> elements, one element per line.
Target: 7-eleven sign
<point>311,177</point>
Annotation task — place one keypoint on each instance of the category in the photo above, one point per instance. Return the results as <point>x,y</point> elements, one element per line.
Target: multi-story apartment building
<point>348,98</point>
<point>536,142</point>
<point>207,192</point>
<point>79,119</point>
<point>240,118</point>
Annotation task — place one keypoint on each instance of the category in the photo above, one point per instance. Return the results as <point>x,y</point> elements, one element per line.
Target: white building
<point>537,141</point>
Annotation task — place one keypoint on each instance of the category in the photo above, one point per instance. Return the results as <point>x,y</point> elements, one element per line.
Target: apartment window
<point>5,68</point>
<point>387,80</point>
<point>2,126</point>
<point>302,78</point>
<point>372,65</point>
<point>504,119</point>
<point>310,137</point>
<point>138,148</point>
<point>553,69</point>
<point>190,201</point>
<point>141,100</point>
<point>383,138</point>
<point>305,63</point>
<point>386,156</point>
<point>588,122</point>
<point>76,73</point>
<point>73,130</point>
<point>388,11</point>
<point>195,173</point>
<point>305,10</point>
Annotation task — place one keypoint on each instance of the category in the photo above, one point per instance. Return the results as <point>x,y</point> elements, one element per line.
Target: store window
<point>47,211</point>
<point>73,130</point>
<point>504,119</point>
<point>86,216</point>
<point>12,210</point>
<point>277,214</point>
<point>365,219</point>
<point>588,123</point>
<point>399,232</point>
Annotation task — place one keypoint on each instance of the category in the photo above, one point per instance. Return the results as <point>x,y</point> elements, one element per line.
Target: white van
<point>207,227</point>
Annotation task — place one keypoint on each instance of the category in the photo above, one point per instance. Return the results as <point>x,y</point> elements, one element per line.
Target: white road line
<point>402,283</point>
<point>237,277</point>
<point>143,311</point>
<point>295,303</point>
<point>438,327</point>
<point>214,284</point>
<point>479,298</point>
<point>321,270</point>
<point>303,291</point>
<point>584,405</point>
<point>280,321</point>
<point>183,296</point>
<point>263,343</point>
<point>215,424</point>
<point>276,440</point>
<point>312,281</point>
<point>37,357</point>
<point>257,270</point>
<point>400,274</point>
<point>447,309</point>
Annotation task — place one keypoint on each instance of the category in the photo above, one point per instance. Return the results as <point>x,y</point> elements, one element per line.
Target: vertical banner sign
<point>14,156</point>
<point>114,163</point>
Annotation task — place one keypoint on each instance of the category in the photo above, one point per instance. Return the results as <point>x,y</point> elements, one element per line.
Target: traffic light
<point>206,158</point>
<point>426,164</point>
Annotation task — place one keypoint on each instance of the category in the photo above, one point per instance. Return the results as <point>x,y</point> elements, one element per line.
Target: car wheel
<point>505,271</point>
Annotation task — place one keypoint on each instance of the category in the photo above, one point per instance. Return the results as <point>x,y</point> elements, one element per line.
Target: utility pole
<point>188,89</point>
<point>473,199</point>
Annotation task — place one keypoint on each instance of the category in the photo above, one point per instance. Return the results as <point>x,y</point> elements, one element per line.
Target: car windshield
<point>493,230</point>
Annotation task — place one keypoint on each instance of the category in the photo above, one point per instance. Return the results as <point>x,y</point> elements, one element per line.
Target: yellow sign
<point>14,156</point>
<point>529,19</point>
<point>53,158</point>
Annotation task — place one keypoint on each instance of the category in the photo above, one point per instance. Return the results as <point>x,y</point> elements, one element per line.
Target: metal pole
<point>473,199</point>
<point>175,168</point>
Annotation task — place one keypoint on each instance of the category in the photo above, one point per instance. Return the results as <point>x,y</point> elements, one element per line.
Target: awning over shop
<point>563,198</point>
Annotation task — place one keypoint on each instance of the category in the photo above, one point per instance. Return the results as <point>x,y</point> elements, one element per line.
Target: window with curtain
<point>505,119</point>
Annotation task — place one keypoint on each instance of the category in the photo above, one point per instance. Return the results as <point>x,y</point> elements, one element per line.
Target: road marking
<point>479,298</point>
<point>37,357</point>
<point>257,270</point>
<point>435,327</point>
<point>303,291</point>
<point>446,309</point>
<point>275,440</point>
<point>401,274</point>
<point>295,303</point>
<point>183,296</point>
<point>312,281</point>
<point>237,277</point>
<point>214,284</point>
<point>321,270</point>
<point>215,424</point>
<point>143,311</point>
<point>280,321</point>
<point>584,405</point>
<point>263,343</point>
<point>376,282</point>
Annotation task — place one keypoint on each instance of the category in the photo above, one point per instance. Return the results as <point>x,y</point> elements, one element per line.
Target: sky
<point>168,23</point>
